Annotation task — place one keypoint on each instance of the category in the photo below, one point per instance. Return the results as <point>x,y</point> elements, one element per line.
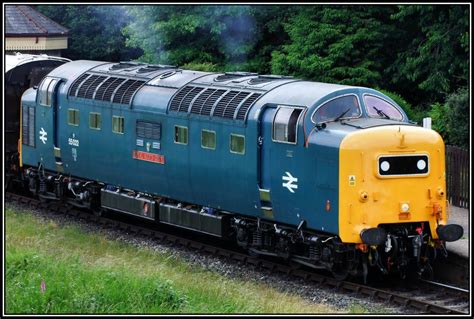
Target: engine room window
<point>46,91</point>
<point>378,107</point>
<point>118,124</point>
<point>73,117</point>
<point>149,130</point>
<point>208,139</point>
<point>95,121</point>
<point>339,108</point>
<point>181,135</point>
<point>285,124</point>
<point>237,144</point>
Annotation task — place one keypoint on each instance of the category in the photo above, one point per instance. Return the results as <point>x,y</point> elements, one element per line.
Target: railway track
<point>424,297</point>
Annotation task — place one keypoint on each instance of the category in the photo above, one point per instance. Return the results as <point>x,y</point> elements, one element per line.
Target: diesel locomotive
<point>331,176</point>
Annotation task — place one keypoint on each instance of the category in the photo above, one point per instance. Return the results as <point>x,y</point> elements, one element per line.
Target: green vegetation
<point>88,273</point>
<point>420,53</point>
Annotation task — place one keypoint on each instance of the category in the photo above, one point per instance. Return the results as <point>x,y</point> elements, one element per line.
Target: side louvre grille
<point>246,105</point>
<point>28,126</point>
<point>207,107</point>
<point>221,105</point>
<point>178,98</point>
<point>73,89</point>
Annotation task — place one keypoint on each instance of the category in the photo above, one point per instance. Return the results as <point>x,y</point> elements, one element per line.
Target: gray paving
<point>461,217</point>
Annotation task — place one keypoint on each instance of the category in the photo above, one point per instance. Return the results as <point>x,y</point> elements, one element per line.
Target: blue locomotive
<point>330,176</point>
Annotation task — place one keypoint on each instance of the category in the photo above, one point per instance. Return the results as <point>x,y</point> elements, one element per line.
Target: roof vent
<point>232,75</point>
<point>267,78</point>
<point>153,68</point>
<point>124,65</point>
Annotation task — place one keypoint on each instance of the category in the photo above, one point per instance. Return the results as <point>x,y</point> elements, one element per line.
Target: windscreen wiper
<point>381,113</point>
<point>322,125</point>
<point>341,115</point>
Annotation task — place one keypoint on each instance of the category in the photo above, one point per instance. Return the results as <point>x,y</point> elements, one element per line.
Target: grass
<point>85,272</point>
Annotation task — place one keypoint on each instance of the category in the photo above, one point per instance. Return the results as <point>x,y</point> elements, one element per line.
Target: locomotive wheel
<point>340,274</point>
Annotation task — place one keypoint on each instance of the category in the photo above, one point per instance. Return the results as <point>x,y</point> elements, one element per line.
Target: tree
<point>434,57</point>
<point>221,35</point>
<point>95,31</point>
<point>338,44</point>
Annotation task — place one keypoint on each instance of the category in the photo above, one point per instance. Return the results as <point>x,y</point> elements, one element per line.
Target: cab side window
<point>285,124</point>
<point>46,91</point>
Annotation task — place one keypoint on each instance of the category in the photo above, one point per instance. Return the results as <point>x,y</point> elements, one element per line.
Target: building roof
<point>23,21</point>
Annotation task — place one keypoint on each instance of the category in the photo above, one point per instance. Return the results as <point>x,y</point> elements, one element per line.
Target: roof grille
<point>207,106</point>
<point>111,88</point>
<point>200,100</point>
<point>85,85</point>
<point>184,106</point>
<point>221,105</point>
<point>75,85</point>
<point>229,104</point>
<point>178,98</point>
<point>130,92</point>
<point>99,95</point>
<point>91,89</point>
<point>242,112</point>
<point>232,106</point>
<point>121,91</point>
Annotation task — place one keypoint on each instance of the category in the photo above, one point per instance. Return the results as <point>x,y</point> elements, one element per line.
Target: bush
<point>451,119</point>
<point>458,117</point>
<point>439,119</point>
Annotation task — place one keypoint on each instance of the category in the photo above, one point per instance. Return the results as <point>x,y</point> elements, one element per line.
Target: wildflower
<point>43,286</point>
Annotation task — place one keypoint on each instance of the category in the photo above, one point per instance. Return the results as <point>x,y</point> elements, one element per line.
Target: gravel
<point>228,268</point>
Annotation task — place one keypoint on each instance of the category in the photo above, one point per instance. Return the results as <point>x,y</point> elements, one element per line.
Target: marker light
<point>385,166</point>
<point>421,164</point>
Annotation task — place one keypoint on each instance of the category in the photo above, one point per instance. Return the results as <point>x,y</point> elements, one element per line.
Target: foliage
<point>439,118</point>
<point>335,44</point>
<point>434,55</point>
<point>451,119</point>
<point>95,31</point>
<point>198,34</point>
<point>458,117</point>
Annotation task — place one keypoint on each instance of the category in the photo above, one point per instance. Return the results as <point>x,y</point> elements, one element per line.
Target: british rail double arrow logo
<point>290,182</point>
